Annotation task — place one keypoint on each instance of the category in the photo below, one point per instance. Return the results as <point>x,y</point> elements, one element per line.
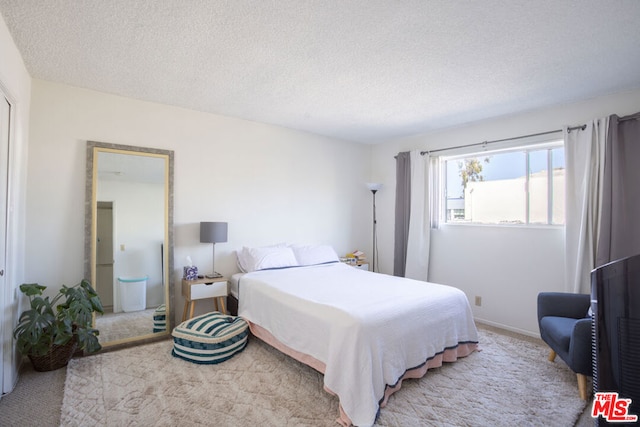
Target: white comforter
<point>367,328</point>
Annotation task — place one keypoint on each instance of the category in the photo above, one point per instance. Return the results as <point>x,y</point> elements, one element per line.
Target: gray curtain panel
<point>620,221</point>
<point>403,209</point>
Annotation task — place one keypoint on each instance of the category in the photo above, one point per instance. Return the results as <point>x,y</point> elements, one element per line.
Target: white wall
<point>507,267</point>
<point>269,183</point>
<point>15,82</point>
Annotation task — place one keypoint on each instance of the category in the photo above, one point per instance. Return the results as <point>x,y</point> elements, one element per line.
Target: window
<point>516,186</point>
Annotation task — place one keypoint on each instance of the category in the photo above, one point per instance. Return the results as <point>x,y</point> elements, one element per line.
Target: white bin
<point>133,293</point>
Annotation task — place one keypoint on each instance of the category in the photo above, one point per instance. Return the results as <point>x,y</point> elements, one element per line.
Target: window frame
<point>440,177</point>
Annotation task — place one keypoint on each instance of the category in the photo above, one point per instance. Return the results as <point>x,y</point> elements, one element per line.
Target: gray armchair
<point>566,327</point>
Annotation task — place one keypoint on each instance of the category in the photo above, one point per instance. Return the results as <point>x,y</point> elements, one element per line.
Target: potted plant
<point>50,334</point>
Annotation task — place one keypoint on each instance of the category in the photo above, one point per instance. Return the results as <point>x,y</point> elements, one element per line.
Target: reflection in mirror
<point>130,241</point>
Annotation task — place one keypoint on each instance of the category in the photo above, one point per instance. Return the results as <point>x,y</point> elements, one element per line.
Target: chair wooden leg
<point>582,386</point>
<point>552,356</point>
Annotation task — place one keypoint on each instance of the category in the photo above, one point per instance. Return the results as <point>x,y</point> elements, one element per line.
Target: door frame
<point>9,299</point>
<point>111,205</point>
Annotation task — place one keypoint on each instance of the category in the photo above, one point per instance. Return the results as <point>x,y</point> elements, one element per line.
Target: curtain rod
<point>635,116</point>
<point>484,143</point>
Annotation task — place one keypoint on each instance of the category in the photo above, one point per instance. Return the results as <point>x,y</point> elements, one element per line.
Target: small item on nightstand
<point>356,258</point>
<point>190,272</point>
<point>200,276</point>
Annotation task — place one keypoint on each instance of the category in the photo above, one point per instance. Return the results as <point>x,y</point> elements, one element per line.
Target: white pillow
<point>315,254</point>
<point>245,259</point>
<point>253,259</point>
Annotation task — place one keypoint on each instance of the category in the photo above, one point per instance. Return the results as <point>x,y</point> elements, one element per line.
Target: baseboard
<point>508,328</point>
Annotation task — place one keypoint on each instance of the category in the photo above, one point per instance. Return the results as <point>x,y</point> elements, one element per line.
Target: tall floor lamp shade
<point>213,232</point>
<point>374,187</point>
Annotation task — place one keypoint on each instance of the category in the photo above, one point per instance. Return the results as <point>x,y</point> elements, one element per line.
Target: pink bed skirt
<point>448,355</point>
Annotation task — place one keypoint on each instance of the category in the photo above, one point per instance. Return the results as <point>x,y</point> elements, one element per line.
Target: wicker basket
<point>57,357</point>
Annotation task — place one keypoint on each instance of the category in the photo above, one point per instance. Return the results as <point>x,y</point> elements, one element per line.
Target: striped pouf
<point>160,319</point>
<point>210,338</point>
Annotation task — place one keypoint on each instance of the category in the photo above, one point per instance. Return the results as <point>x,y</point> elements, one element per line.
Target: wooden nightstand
<point>193,290</point>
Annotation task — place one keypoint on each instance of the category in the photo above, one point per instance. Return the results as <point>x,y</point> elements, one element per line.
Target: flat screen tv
<point>615,303</point>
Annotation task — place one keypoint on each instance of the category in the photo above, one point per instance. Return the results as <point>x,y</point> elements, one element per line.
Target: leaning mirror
<point>129,241</point>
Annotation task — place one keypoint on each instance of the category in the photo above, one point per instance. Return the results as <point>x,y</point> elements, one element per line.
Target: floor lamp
<point>213,232</point>
<point>374,187</point>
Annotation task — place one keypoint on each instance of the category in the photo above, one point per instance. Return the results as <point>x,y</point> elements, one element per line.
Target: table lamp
<point>213,232</point>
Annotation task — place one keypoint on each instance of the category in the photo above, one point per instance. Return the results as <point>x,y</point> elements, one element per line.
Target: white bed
<point>365,331</point>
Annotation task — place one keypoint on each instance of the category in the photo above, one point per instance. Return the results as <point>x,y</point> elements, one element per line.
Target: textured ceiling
<point>360,70</point>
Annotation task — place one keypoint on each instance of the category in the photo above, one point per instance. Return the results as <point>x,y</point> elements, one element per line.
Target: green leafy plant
<point>47,323</point>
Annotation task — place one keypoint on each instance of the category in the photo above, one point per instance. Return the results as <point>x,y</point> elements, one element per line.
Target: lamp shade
<point>374,186</point>
<point>213,232</point>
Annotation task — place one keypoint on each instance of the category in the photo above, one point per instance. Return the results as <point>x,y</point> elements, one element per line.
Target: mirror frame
<point>93,149</point>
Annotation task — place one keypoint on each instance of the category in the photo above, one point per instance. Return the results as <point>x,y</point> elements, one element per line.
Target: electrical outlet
<point>478,301</point>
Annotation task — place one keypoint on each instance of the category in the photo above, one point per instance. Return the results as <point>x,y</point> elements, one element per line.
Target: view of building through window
<point>511,187</point>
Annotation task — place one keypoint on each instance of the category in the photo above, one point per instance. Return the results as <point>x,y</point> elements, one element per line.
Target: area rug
<point>510,382</point>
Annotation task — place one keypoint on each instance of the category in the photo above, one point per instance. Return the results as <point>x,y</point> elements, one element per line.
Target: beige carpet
<point>36,400</point>
<point>510,382</point>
